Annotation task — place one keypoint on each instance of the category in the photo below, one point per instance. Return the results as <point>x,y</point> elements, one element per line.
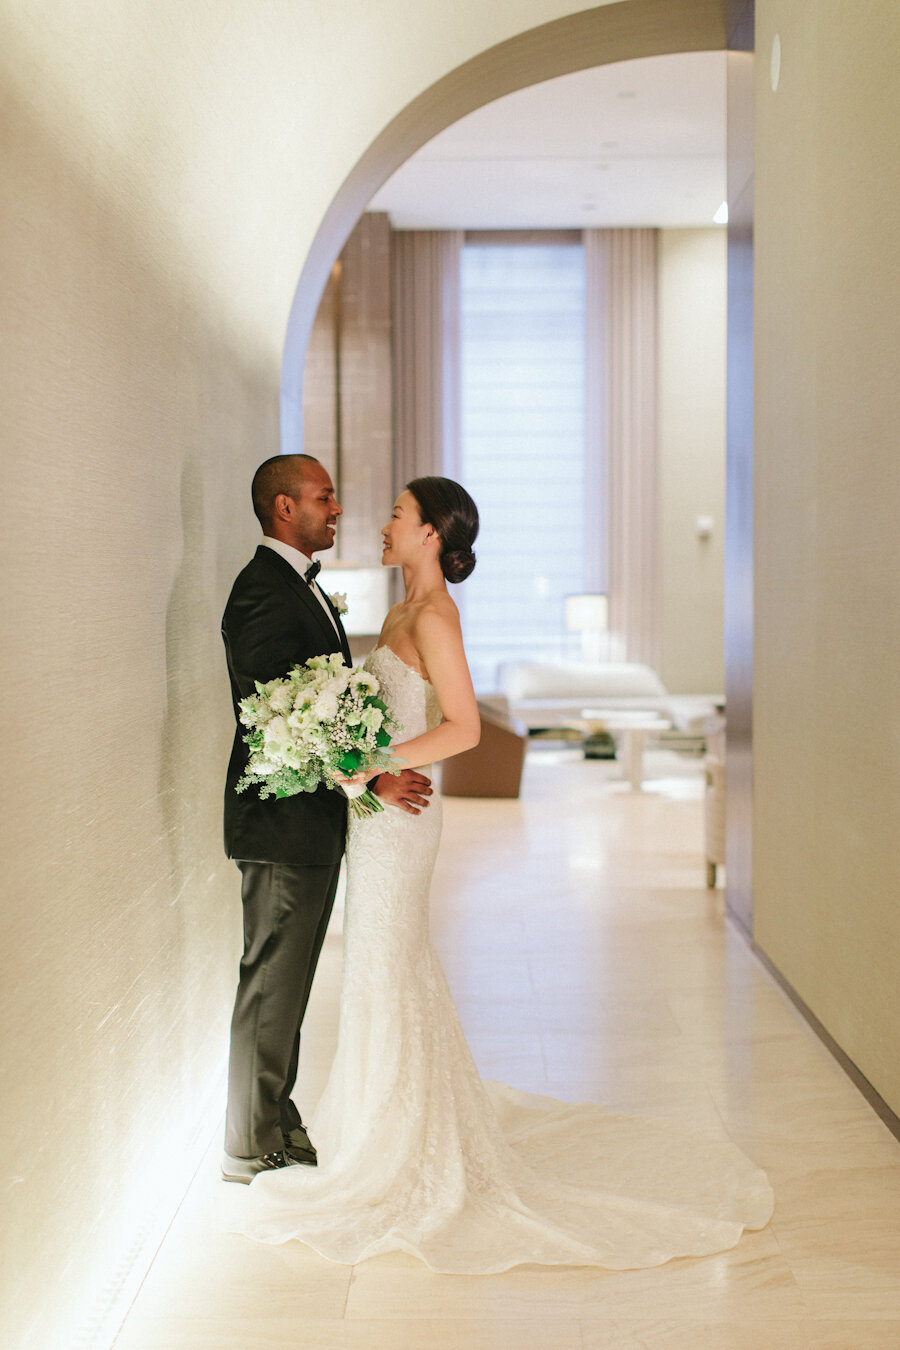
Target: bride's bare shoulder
<point>438,611</point>
<point>436,625</point>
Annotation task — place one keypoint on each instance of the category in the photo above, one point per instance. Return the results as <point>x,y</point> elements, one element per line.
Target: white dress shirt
<point>299,561</point>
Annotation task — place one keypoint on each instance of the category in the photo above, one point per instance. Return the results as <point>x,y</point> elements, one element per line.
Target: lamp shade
<point>366,591</point>
<point>587,613</point>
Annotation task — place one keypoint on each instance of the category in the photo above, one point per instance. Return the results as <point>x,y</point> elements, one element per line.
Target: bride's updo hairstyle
<point>447,507</point>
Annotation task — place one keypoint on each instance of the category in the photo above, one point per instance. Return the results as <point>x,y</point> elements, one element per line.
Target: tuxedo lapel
<point>305,595</point>
<point>345,645</point>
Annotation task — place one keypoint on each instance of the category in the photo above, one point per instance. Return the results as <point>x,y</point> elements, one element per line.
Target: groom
<point>288,849</point>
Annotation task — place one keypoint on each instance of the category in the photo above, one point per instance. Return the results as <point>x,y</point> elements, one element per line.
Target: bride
<point>416,1152</point>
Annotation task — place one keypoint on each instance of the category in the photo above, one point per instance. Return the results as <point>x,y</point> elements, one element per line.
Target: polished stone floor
<point>588,961</point>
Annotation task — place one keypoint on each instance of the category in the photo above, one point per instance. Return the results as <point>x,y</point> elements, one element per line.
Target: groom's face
<point>316,510</point>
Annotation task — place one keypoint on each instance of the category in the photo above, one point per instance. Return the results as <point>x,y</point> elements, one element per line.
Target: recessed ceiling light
<point>721,216</point>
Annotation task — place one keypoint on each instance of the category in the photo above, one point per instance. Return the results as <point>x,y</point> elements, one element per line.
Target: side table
<point>630,728</point>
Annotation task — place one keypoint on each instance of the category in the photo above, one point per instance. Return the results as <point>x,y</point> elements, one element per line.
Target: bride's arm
<point>438,638</point>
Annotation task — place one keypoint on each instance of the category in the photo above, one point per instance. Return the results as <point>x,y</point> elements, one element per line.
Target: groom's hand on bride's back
<point>408,789</point>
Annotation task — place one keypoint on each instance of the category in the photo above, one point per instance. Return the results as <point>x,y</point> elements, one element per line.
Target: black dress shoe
<point>297,1146</point>
<point>245,1169</point>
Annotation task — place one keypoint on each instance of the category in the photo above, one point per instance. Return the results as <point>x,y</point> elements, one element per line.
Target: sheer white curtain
<point>622,429</point>
<point>618,492</point>
<point>425,272</point>
<point>523,447</point>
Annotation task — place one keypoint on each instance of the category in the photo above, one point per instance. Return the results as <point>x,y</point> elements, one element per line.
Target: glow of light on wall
<point>126,1252</point>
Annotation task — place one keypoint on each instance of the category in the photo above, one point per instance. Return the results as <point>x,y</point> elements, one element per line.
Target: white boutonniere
<point>339,600</point>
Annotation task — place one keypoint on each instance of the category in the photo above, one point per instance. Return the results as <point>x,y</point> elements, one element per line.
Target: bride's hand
<point>360,778</point>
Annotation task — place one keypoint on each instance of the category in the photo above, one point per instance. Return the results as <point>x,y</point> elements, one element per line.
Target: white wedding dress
<point>418,1154</point>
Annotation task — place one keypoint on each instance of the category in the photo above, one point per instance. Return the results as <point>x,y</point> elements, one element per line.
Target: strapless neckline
<point>404,664</point>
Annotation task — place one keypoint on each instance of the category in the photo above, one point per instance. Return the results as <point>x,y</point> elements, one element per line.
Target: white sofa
<point>554,693</point>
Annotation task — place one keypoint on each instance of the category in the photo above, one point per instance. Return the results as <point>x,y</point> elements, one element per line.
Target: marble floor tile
<point>825,1109</point>
<point>839,1229</point>
<point>835,1195</point>
<point>589,961</point>
<point>283,1331</point>
<point>792,1159</point>
<point>854,1335</point>
<point>208,1271</point>
<point>694,1334</point>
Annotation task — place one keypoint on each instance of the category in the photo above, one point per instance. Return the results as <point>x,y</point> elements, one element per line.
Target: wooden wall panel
<point>347,389</point>
<point>364,470</point>
<point>320,420</point>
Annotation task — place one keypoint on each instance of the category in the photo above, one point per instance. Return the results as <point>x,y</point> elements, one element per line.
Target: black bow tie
<point>312,572</point>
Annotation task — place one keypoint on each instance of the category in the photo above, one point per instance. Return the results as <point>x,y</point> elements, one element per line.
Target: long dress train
<point>418,1154</point>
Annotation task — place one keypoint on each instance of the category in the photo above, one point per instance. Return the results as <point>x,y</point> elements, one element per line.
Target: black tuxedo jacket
<point>272,621</point>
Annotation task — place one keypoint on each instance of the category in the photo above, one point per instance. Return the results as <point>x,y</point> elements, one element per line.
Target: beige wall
<point>132,416</point>
<point>827,870</point>
<point>691,458</point>
<point>164,170</point>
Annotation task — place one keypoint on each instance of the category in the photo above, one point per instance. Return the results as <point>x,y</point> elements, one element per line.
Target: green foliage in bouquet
<point>320,719</point>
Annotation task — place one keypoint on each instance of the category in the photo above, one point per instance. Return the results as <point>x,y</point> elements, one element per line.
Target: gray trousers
<point>286,913</point>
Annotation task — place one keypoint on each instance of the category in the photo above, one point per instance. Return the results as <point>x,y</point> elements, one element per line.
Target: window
<point>523,448</point>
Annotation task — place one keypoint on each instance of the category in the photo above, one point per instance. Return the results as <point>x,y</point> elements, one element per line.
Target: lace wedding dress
<point>418,1154</point>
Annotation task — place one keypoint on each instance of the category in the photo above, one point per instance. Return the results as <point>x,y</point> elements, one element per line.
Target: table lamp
<point>589,616</point>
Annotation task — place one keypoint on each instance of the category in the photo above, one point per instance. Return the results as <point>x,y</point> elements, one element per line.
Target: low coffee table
<point>630,728</point>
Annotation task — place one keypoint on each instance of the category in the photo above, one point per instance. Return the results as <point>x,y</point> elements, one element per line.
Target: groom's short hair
<point>280,474</point>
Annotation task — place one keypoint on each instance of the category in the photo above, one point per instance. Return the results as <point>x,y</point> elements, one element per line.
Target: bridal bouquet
<point>322,719</point>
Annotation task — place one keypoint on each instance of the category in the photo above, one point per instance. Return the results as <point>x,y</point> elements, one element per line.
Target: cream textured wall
<point>826,723</point>
<point>235,122</point>
<point>133,414</point>
<point>692,282</point>
<point>164,169</point>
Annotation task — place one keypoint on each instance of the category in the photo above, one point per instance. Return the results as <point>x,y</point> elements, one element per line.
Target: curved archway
<point>613,32</point>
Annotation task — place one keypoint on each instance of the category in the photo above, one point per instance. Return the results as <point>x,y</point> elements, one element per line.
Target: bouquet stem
<point>363,806</point>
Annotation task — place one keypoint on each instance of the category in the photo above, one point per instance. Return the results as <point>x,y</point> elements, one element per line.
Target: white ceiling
<point>631,144</point>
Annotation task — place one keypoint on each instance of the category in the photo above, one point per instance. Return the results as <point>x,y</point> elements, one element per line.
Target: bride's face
<point>405,537</point>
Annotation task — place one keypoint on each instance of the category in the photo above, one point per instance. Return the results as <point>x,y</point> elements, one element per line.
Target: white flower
<point>258,764</point>
<point>281,699</point>
<point>339,681</point>
<point>276,731</point>
<point>339,600</point>
<point>293,755</point>
<point>372,718</point>
<point>254,711</point>
<point>326,705</point>
<point>364,682</point>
